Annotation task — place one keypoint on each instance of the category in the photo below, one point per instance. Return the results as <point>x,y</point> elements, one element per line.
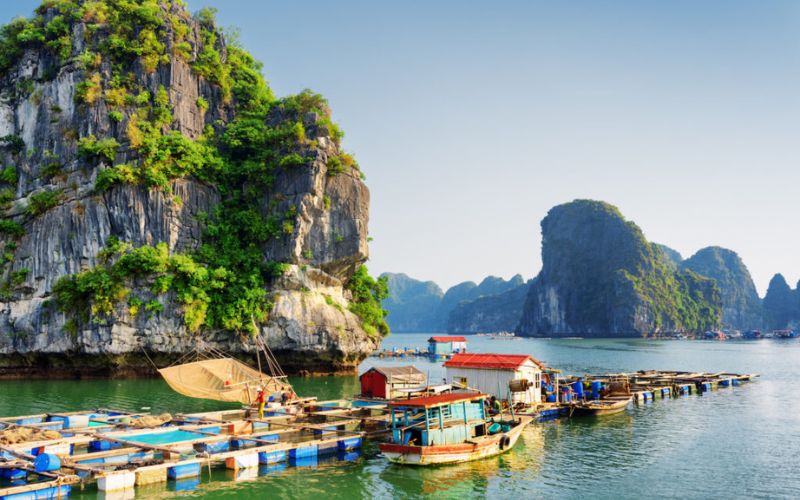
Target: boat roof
<point>447,338</point>
<point>438,400</point>
<point>491,361</point>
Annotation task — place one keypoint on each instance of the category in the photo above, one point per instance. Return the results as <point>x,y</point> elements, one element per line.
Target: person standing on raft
<point>260,400</point>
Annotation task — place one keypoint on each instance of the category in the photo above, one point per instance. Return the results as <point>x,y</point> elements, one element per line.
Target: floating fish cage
<point>117,456</point>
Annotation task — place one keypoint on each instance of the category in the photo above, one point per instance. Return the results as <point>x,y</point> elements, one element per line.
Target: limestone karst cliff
<point>741,306</point>
<point>601,278</point>
<point>155,193</point>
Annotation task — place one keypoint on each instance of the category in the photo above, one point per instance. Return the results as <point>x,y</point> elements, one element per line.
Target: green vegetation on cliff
<point>210,296</point>
<point>223,283</point>
<point>366,304</point>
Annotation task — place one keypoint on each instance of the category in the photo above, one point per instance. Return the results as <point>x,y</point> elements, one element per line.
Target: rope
<point>208,463</point>
<point>148,358</point>
<point>59,480</point>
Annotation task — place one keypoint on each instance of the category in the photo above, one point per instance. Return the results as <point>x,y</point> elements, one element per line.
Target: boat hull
<point>454,453</point>
<point>602,408</point>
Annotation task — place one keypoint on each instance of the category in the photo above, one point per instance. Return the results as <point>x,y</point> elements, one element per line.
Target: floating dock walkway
<point>643,387</point>
<point>106,448</point>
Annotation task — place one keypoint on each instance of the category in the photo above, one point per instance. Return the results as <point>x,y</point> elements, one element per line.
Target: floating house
<point>494,373</point>
<point>385,382</point>
<point>446,344</point>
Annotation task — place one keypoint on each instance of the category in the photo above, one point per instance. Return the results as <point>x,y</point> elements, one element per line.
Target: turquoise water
<point>157,438</point>
<point>740,442</point>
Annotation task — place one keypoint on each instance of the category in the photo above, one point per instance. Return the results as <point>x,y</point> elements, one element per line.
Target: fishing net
<point>23,435</point>
<point>151,421</point>
<point>220,379</point>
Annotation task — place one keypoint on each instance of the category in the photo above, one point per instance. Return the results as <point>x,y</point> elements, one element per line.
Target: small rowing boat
<point>448,428</point>
<point>608,406</point>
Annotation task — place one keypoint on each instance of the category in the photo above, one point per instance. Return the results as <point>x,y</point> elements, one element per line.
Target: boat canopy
<point>438,400</point>
<point>221,379</point>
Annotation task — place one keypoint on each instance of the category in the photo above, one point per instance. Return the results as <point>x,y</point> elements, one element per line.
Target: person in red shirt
<point>260,400</point>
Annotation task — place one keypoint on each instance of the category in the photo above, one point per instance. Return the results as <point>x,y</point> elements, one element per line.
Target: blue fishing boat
<point>448,428</point>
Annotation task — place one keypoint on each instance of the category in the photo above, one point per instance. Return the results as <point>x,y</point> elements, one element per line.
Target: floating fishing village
<point>478,412</point>
<point>545,251</point>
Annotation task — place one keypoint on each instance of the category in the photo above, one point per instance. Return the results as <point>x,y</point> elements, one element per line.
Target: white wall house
<point>491,373</point>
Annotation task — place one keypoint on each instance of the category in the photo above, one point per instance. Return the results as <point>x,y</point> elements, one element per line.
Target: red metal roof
<point>491,361</point>
<point>438,400</point>
<point>447,338</point>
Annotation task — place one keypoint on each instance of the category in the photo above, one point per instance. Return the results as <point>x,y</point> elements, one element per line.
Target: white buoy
<point>116,481</point>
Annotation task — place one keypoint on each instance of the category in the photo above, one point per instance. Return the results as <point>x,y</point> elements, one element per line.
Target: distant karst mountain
<point>601,278</point>
<point>412,304</point>
<point>741,306</point>
<point>781,305</point>
<point>491,313</point>
<point>417,306</point>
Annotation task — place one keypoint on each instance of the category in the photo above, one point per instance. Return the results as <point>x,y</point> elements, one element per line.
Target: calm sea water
<point>741,442</point>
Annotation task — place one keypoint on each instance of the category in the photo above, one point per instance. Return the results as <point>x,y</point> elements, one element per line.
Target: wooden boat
<point>446,429</point>
<point>608,406</point>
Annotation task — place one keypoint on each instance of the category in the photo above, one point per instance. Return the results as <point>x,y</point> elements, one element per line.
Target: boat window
<point>445,412</point>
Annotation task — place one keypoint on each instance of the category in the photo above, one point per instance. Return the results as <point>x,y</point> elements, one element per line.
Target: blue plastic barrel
<point>304,452</point>
<point>271,457</point>
<point>577,388</point>
<point>551,398</point>
<point>596,386</point>
<point>46,462</point>
<point>184,471</point>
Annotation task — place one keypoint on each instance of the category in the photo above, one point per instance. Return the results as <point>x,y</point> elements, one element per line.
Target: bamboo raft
<point>101,447</point>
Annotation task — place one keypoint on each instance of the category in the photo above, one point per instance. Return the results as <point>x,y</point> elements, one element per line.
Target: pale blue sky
<point>472,119</point>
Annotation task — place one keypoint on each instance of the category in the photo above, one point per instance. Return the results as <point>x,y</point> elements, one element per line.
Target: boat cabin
<point>518,375</point>
<point>444,345</point>
<point>385,382</point>
<point>436,420</point>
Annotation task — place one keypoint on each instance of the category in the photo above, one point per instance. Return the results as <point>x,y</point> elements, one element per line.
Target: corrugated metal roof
<point>399,373</point>
<point>491,361</point>
<point>447,338</point>
<point>439,400</point>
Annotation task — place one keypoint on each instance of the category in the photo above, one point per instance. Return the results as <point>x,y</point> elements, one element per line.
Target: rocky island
<point>600,277</point>
<point>155,194</point>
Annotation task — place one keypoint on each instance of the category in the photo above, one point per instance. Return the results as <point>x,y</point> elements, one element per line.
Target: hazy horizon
<point>471,123</point>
